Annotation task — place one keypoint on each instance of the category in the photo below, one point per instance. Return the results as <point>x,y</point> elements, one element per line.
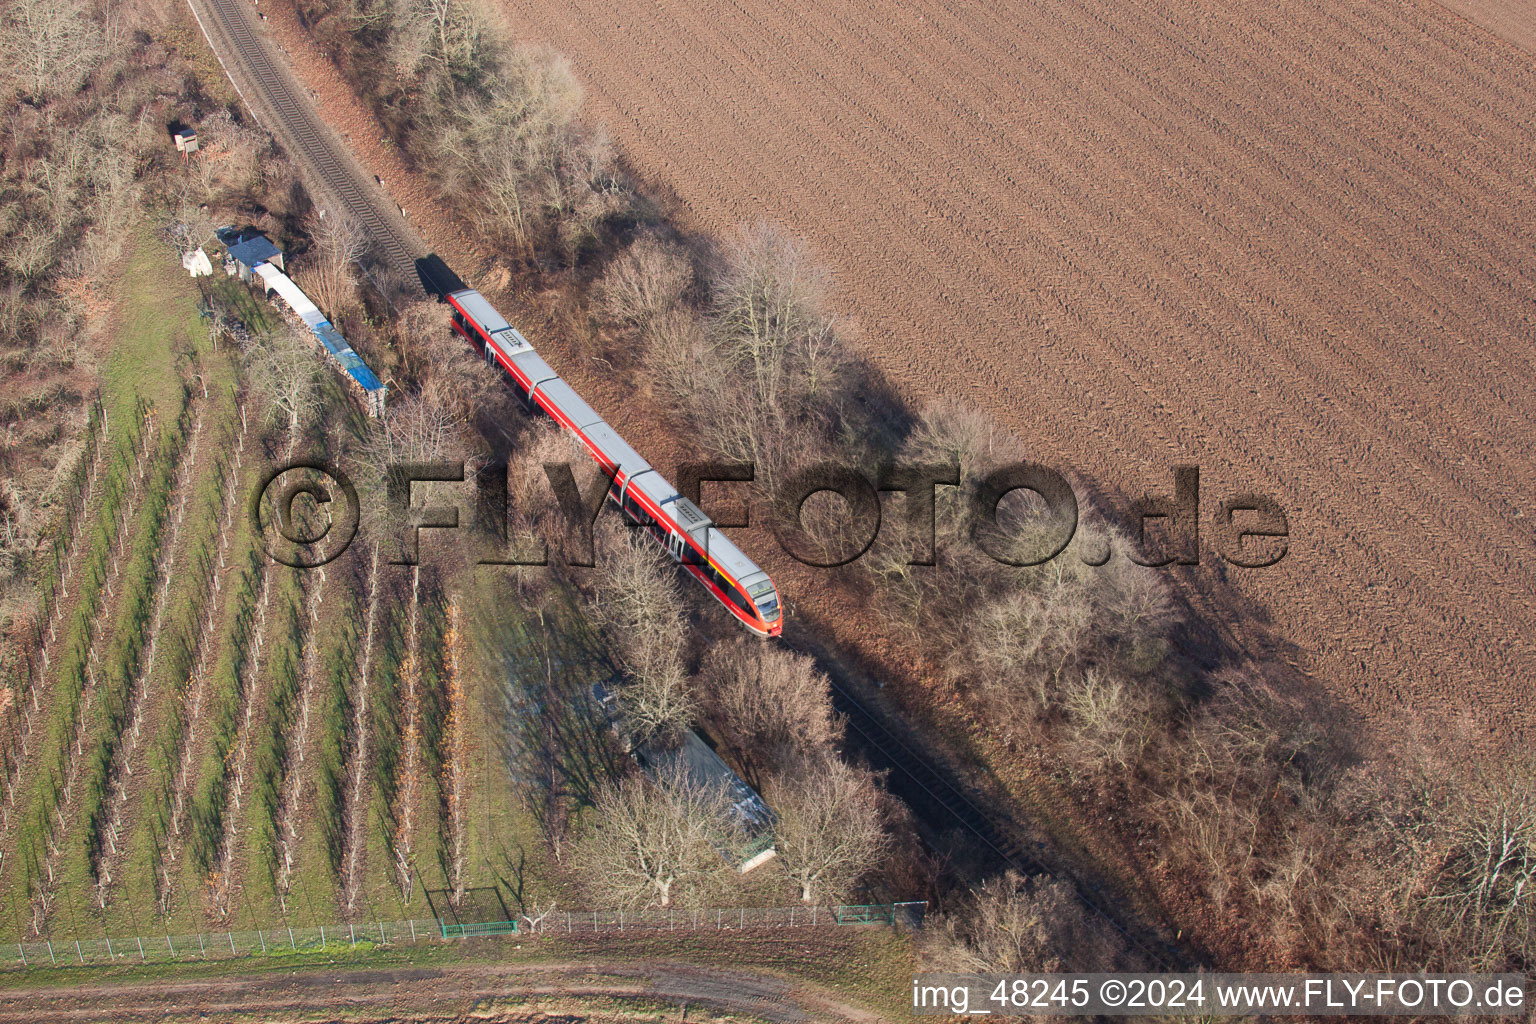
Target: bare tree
<point>828,830</point>
<point>283,371</point>
<point>646,282</point>
<point>639,604</point>
<point>50,46</point>
<point>777,347</point>
<point>656,843</point>
<point>509,145</point>
<point>441,40</point>
<point>330,275</point>
<point>768,706</point>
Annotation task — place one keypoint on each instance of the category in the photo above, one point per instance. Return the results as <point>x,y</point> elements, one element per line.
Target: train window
<point>740,601</point>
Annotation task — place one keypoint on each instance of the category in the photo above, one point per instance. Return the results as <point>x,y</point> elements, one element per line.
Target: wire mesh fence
<point>286,941</point>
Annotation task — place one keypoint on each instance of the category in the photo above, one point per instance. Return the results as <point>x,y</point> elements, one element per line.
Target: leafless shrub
<point>769,707</point>
<point>514,146</point>
<point>1481,903</point>
<point>647,282</point>
<point>677,356</point>
<point>330,272</point>
<point>1111,721</point>
<point>1014,924</point>
<point>49,46</point>
<point>447,372</point>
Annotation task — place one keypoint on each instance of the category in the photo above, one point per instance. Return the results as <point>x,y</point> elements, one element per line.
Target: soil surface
<point>1293,243</point>
<point>425,994</point>
<point>1512,20</point>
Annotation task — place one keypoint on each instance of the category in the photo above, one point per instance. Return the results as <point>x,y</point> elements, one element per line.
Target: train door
<point>676,545</point>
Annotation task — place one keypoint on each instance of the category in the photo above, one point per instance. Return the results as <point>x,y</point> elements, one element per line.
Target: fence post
<point>110,955</point>
<point>413,931</point>
<point>79,952</point>
<point>322,936</point>
<point>352,931</point>
<point>23,954</point>
<point>202,946</point>
<point>261,939</point>
<point>231,943</point>
<point>719,916</point>
<point>141,948</point>
<point>382,940</point>
<point>741,925</point>
<point>290,939</point>
<point>791,917</point>
<point>51,957</point>
<point>170,945</point>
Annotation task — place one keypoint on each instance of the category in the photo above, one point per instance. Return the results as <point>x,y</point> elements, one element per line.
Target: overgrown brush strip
<point>107,825</point>
<point>194,691</point>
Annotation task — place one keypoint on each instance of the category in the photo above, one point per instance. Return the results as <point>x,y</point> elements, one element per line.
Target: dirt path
<point>424,993</point>
<point>1292,243</point>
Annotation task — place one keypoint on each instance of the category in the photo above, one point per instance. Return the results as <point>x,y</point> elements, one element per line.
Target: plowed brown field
<point>1289,241</point>
<point>1514,20</point>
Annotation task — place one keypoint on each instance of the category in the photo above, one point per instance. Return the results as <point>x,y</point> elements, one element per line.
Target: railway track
<point>271,97</point>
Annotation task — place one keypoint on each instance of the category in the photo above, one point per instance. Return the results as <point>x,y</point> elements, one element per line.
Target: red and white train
<point>643,493</point>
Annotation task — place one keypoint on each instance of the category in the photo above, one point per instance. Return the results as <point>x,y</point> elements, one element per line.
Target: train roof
<point>656,487</point>
<point>561,395</point>
<point>532,365</point>
<point>474,305</point>
<point>612,450</point>
<point>729,557</point>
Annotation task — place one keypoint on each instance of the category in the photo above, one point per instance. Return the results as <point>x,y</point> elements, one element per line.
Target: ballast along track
<point>269,95</point>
